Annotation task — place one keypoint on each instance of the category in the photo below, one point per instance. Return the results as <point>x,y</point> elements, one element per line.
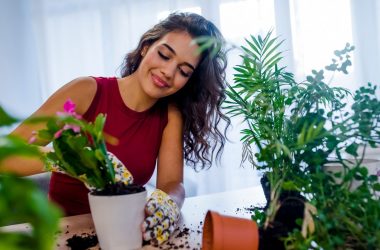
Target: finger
<point>149,223</point>
<point>55,168</point>
<point>122,174</point>
<point>159,239</point>
<point>153,233</point>
<point>89,187</point>
<point>169,213</point>
<point>166,224</point>
<point>171,229</point>
<point>152,222</point>
<point>148,235</point>
<point>150,207</point>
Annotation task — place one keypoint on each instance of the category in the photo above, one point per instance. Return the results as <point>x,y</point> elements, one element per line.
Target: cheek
<point>180,82</point>
<point>147,64</point>
<point>150,61</point>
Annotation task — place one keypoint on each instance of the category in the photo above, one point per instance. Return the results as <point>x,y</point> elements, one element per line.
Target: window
<point>239,19</point>
<point>318,28</point>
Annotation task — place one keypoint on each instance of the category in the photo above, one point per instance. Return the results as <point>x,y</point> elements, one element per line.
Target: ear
<point>144,50</point>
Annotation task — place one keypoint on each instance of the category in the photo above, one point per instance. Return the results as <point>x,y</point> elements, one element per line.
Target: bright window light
<point>319,27</point>
<point>239,19</point>
<point>163,14</point>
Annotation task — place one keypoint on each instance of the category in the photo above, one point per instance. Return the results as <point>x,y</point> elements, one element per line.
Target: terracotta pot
<point>221,232</point>
<point>117,220</point>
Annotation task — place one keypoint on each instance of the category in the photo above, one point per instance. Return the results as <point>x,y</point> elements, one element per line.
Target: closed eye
<point>183,73</point>
<point>166,58</point>
<point>163,56</point>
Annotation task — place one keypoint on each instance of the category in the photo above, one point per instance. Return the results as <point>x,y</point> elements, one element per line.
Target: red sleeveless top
<point>139,135</point>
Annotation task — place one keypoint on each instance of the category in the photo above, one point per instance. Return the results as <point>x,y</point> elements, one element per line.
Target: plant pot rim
<point>125,191</point>
<point>108,195</point>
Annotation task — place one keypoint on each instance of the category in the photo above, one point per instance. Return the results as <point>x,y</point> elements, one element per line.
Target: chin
<point>155,94</point>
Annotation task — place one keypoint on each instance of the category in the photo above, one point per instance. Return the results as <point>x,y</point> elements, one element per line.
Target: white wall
<point>19,81</point>
<point>366,24</point>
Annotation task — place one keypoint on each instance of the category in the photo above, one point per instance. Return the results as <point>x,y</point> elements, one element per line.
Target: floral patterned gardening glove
<point>162,216</point>
<point>121,172</point>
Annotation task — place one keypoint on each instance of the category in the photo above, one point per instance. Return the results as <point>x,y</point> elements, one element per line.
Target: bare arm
<point>170,158</point>
<point>81,91</point>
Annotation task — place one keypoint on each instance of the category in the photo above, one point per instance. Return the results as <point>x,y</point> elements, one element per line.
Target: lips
<point>159,82</point>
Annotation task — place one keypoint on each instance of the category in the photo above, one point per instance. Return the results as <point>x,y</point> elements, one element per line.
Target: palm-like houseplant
<point>293,129</point>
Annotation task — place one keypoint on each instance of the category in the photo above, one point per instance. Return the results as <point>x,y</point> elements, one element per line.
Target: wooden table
<point>189,234</point>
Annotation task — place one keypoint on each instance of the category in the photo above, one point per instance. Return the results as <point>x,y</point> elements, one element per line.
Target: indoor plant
<point>79,150</point>
<point>22,202</point>
<point>293,131</point>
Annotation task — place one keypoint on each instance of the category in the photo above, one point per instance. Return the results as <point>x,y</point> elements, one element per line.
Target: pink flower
<point>59,113</point>
<point>58,134</point>
<point>33,138</point>
<point>75,128</point>
<point>378,173</point>
<point>69,106</point>
<point>69,109</point>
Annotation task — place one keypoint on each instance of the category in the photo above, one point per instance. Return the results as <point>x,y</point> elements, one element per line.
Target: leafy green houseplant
<point>21,201</point>
<point>79,150</point>
<point>293,131</point>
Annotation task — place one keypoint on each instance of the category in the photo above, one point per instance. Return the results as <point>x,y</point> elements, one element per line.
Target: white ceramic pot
<point>118,219</point>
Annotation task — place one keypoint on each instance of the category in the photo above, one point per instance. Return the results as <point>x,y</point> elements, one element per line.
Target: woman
<point>164,108</point>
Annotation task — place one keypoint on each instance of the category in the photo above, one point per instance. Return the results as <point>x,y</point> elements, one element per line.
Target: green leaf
<point>256,51</point>
<point>45,135</point>
<point>352,149</point>
<point>363,171</point>
<point>289,185</point>
<point>376,186</point>
<point>5,118</point>
<point>26,203</point>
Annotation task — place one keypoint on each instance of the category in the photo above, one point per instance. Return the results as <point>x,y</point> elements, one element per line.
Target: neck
<point>133,95</point>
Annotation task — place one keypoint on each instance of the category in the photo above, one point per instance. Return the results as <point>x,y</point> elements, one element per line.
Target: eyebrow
<point>173,51</point>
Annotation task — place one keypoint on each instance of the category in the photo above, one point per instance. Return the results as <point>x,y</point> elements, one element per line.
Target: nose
<point>169,70</point>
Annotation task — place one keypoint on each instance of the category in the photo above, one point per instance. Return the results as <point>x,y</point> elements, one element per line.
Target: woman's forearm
<point>21,165</point>
<point>24,165</point>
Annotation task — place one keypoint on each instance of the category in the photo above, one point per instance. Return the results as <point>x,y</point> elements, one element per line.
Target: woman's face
<point>168,64</point>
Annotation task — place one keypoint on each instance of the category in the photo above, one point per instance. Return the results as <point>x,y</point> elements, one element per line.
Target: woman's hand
<point>162,214</point>
<point>122,174</point>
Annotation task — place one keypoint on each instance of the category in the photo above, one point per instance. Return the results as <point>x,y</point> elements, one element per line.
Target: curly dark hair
<point>200,99</point>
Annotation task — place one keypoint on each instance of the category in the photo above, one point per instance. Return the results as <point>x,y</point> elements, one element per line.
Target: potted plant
<point>293,131</point>
<point>22,202</point>
<point>79,150</point>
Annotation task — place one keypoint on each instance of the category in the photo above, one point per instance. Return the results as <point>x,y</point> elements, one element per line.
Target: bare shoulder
<point>85,83</point>
<point>174,113</point>
<point>81,91</point>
